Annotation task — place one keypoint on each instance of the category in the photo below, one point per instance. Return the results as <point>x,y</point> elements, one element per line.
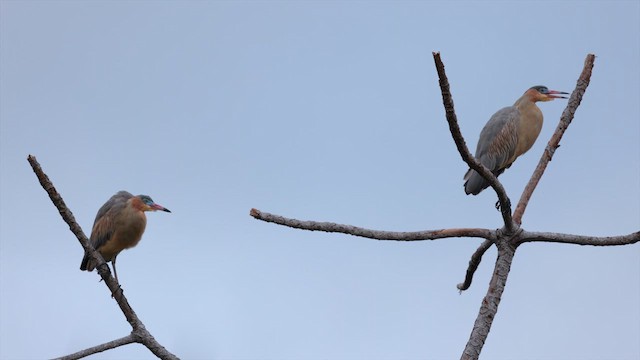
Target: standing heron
<point>508,134</point>
<point>119,225</point>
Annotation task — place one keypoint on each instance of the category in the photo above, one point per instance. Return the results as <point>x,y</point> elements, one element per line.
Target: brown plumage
<point>508,134</point>
<point>119,225</point>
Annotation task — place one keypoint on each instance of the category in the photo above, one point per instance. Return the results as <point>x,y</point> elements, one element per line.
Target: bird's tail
<point>474,183</point>
<point>87,263</point>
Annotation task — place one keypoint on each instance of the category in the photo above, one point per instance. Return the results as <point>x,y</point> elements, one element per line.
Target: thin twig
<point>476,258</point>
<point>554,142</point>
<point>100,348</point>
<point>140,334</point>
<point>505,203</point>
<point>367,233</point>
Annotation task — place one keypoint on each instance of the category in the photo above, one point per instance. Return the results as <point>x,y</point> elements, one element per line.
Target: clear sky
<point>318,110</point>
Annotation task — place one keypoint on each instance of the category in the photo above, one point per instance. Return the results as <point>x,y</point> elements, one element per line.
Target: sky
<point>316,110</point>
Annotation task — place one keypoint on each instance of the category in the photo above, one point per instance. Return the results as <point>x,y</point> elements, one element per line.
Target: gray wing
<point>498,139</point>
<point>111,202</point>
<point>103,226</point>
<point>496,147</point>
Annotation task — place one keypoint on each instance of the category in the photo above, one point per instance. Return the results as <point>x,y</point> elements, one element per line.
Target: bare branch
<point>140,334</point>
<point>489,306</point>
<point>367,233</point>
<point>64,211</point>
<point>100,348</point>
<point>476,258</point>
<point>505,203</point>
<point>554,142</point>
<point>531,236</point>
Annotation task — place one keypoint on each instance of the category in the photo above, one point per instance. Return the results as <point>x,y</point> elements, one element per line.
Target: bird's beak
<point>553,94</point>
<point>159,207</point>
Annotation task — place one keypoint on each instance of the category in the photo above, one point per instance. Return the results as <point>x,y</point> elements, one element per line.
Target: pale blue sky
<point>319,110</point>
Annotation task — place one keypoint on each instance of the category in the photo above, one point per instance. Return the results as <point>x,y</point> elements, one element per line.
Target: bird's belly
<point>117,243</point>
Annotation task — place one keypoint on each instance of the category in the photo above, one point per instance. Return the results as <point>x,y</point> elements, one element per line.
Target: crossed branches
<point>139,334</point>
<point>506,239</point>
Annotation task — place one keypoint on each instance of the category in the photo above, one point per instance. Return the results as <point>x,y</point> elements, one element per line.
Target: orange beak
<point>159,207</point>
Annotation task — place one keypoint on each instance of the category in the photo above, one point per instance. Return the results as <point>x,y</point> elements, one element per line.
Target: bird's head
<point>542,93</point>
<point>147,204</point>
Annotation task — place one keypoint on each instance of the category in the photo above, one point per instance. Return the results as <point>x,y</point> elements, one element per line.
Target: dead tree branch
<point>100,348</point>
<point>531,236</point>
<point>367,233</point>
<point>476,258</point>
<point>554,142</point>
<point>139,332</point>
<point>490,303</point>
<point>452,119</point>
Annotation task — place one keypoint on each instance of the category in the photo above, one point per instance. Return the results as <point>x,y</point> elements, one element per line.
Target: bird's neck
<point>526,106</point>
<point>133,218</point>
<point>525,100</point>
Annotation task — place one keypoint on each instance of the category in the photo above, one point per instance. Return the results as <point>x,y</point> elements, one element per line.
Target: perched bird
<point>508,134</point>
<point>119,225</point>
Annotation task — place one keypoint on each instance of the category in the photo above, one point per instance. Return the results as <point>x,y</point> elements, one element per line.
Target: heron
<point>119,225</point>
<point>508,134</point>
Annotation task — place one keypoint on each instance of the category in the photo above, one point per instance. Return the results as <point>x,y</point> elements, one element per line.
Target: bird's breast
<point>529,128</point>
<point>129,228</point>
<point>132,229</point>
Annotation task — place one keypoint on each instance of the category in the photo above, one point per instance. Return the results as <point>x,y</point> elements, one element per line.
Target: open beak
<point>159,207</point>
<point>556,94</point>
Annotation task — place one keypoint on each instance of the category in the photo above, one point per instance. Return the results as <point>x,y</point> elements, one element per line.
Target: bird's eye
<point>544,90</point>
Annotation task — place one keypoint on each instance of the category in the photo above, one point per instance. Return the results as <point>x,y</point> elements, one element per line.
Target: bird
<point>509,133</point>
<point>119,225</point>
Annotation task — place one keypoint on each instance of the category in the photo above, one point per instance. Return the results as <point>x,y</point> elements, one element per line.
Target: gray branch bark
<point>532,236</point>
<point>476,258</point>
<point>368,233</point>
<point>100,348</point>
<point>489,307</point>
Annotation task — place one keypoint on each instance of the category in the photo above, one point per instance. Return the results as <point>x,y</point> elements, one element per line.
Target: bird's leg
<point>115,273</point>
